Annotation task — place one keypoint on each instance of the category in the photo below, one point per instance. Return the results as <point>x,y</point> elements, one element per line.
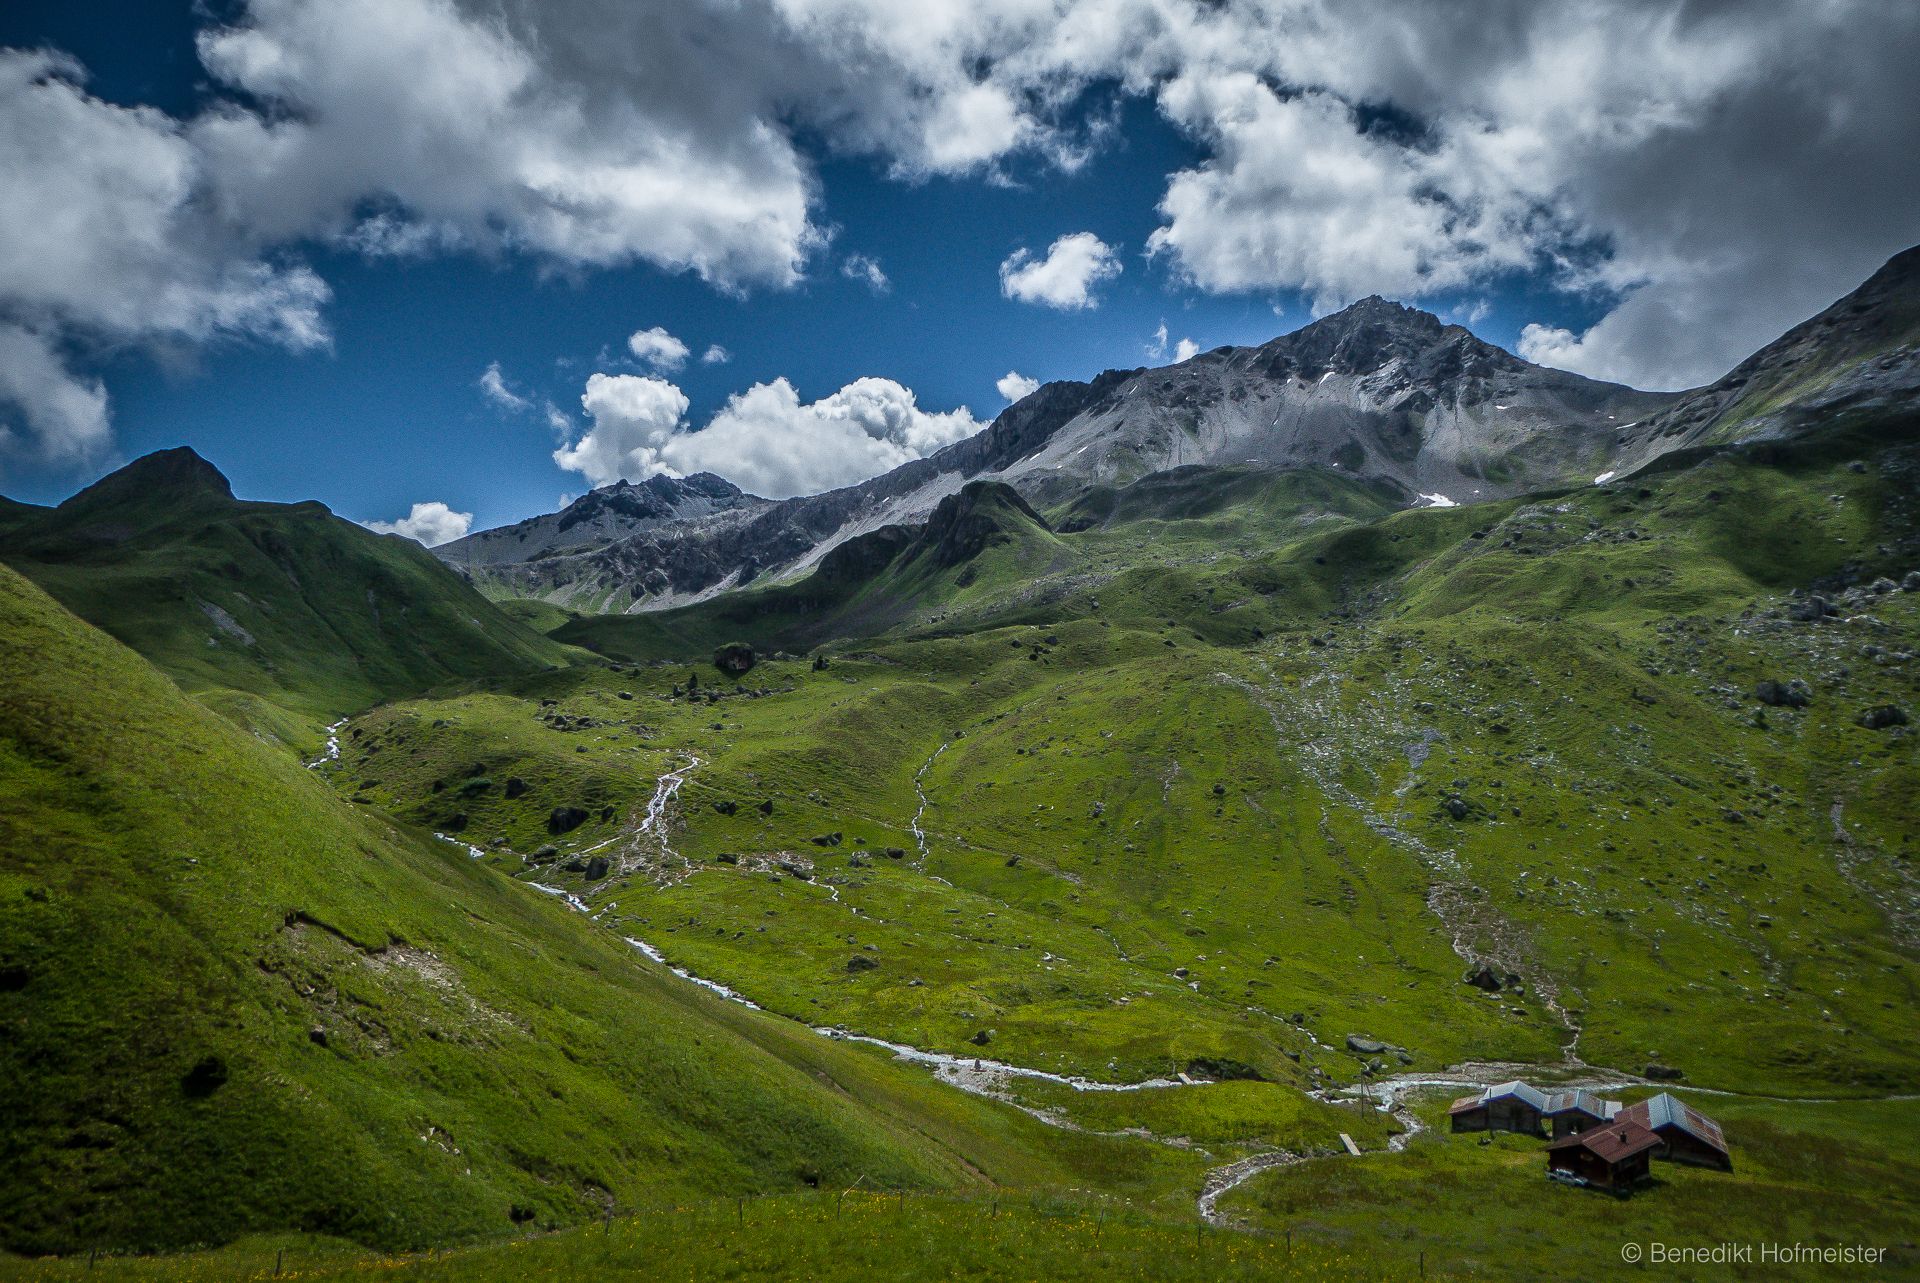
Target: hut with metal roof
<point>1569,1113</point>
<point>1615,1156</point>
<point>1507,1107</point>
<point>1686,1135</point>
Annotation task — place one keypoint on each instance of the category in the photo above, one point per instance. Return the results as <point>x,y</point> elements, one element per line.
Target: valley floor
<point>1446,1207</point>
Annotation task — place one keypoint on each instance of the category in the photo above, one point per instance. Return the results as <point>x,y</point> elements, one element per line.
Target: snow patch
<point>1437,501</point>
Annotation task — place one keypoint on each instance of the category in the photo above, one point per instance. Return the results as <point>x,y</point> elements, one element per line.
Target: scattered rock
<point>1364,1046</point>
<point>766,807</point>
<point>726,807</point>
<point>1809,609</point>
<point>896,853</point>
<point>516,787</point>
<point>598,867</point>
<point>860,962</point>
<point>1663,1073</point>
<point>982,1038</point>
<point>1457,807</point>
<point>1882,716</point>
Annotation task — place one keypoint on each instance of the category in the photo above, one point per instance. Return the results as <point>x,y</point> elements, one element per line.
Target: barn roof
<point>1581,1101</point>
<point>1663,1111</point>
<point>1526,1092</point>
<point>1612,1143</point>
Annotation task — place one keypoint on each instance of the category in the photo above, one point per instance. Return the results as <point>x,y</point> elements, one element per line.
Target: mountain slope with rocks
<point>1386,393</point>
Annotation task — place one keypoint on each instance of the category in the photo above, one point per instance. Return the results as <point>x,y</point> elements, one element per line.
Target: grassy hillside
<point>232,1002</point>
<point>262,607</point>
<point>1524,733</point>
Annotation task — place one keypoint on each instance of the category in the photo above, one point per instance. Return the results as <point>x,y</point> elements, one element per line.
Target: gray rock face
<point>601,517</point>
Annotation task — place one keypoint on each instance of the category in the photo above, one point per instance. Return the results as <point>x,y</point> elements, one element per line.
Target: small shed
<point>1616,1156</point>
<point>1686,1135</point>
<point>1569,1113</point>
<point>1507,1107</point>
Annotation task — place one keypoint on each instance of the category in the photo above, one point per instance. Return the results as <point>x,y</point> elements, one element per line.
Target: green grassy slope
<point>260,604</point>
<point>232,1002</point>
<point>1149,850</point>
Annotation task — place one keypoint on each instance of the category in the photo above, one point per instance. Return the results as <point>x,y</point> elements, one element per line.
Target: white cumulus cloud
<point>766,439</point>
<point>1185,350</point>
<point>1015,385</point>
<point>110,240</point>
<point>715,355</point>
<point>657,348</point>
<point>633,417</point>
<point>432,524</point>
<point>1065,278</point>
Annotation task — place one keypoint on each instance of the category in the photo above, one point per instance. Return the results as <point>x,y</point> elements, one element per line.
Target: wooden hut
<point>1615,1156</point>
<point>1508,1107</point>
<point>1686,1135</point>
<point>1569,1113</point>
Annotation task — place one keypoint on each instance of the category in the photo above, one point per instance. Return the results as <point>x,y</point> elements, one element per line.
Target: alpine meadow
<point>1425,786</point>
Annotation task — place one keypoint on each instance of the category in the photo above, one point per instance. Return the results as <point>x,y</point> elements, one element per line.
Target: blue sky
<point>388,411</point>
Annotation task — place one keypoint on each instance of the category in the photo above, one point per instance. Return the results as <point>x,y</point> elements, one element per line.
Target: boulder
<point>725,807</point>
<point>208,1075</point>
<point>1810,608</point>
<point>565,819</point>
<point>1364,1046</point>
<point>1484,976</point>
<point>598,867</point>
<point>735,659</point>
<point>860,962</point>
<point>1456,807</point>
<point>1882,716</point>
<point>1911,583</point>
<point>1663,1073</point>
<point>516,787</point>
<point>982,1038</point>
<point>1790,694</point>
